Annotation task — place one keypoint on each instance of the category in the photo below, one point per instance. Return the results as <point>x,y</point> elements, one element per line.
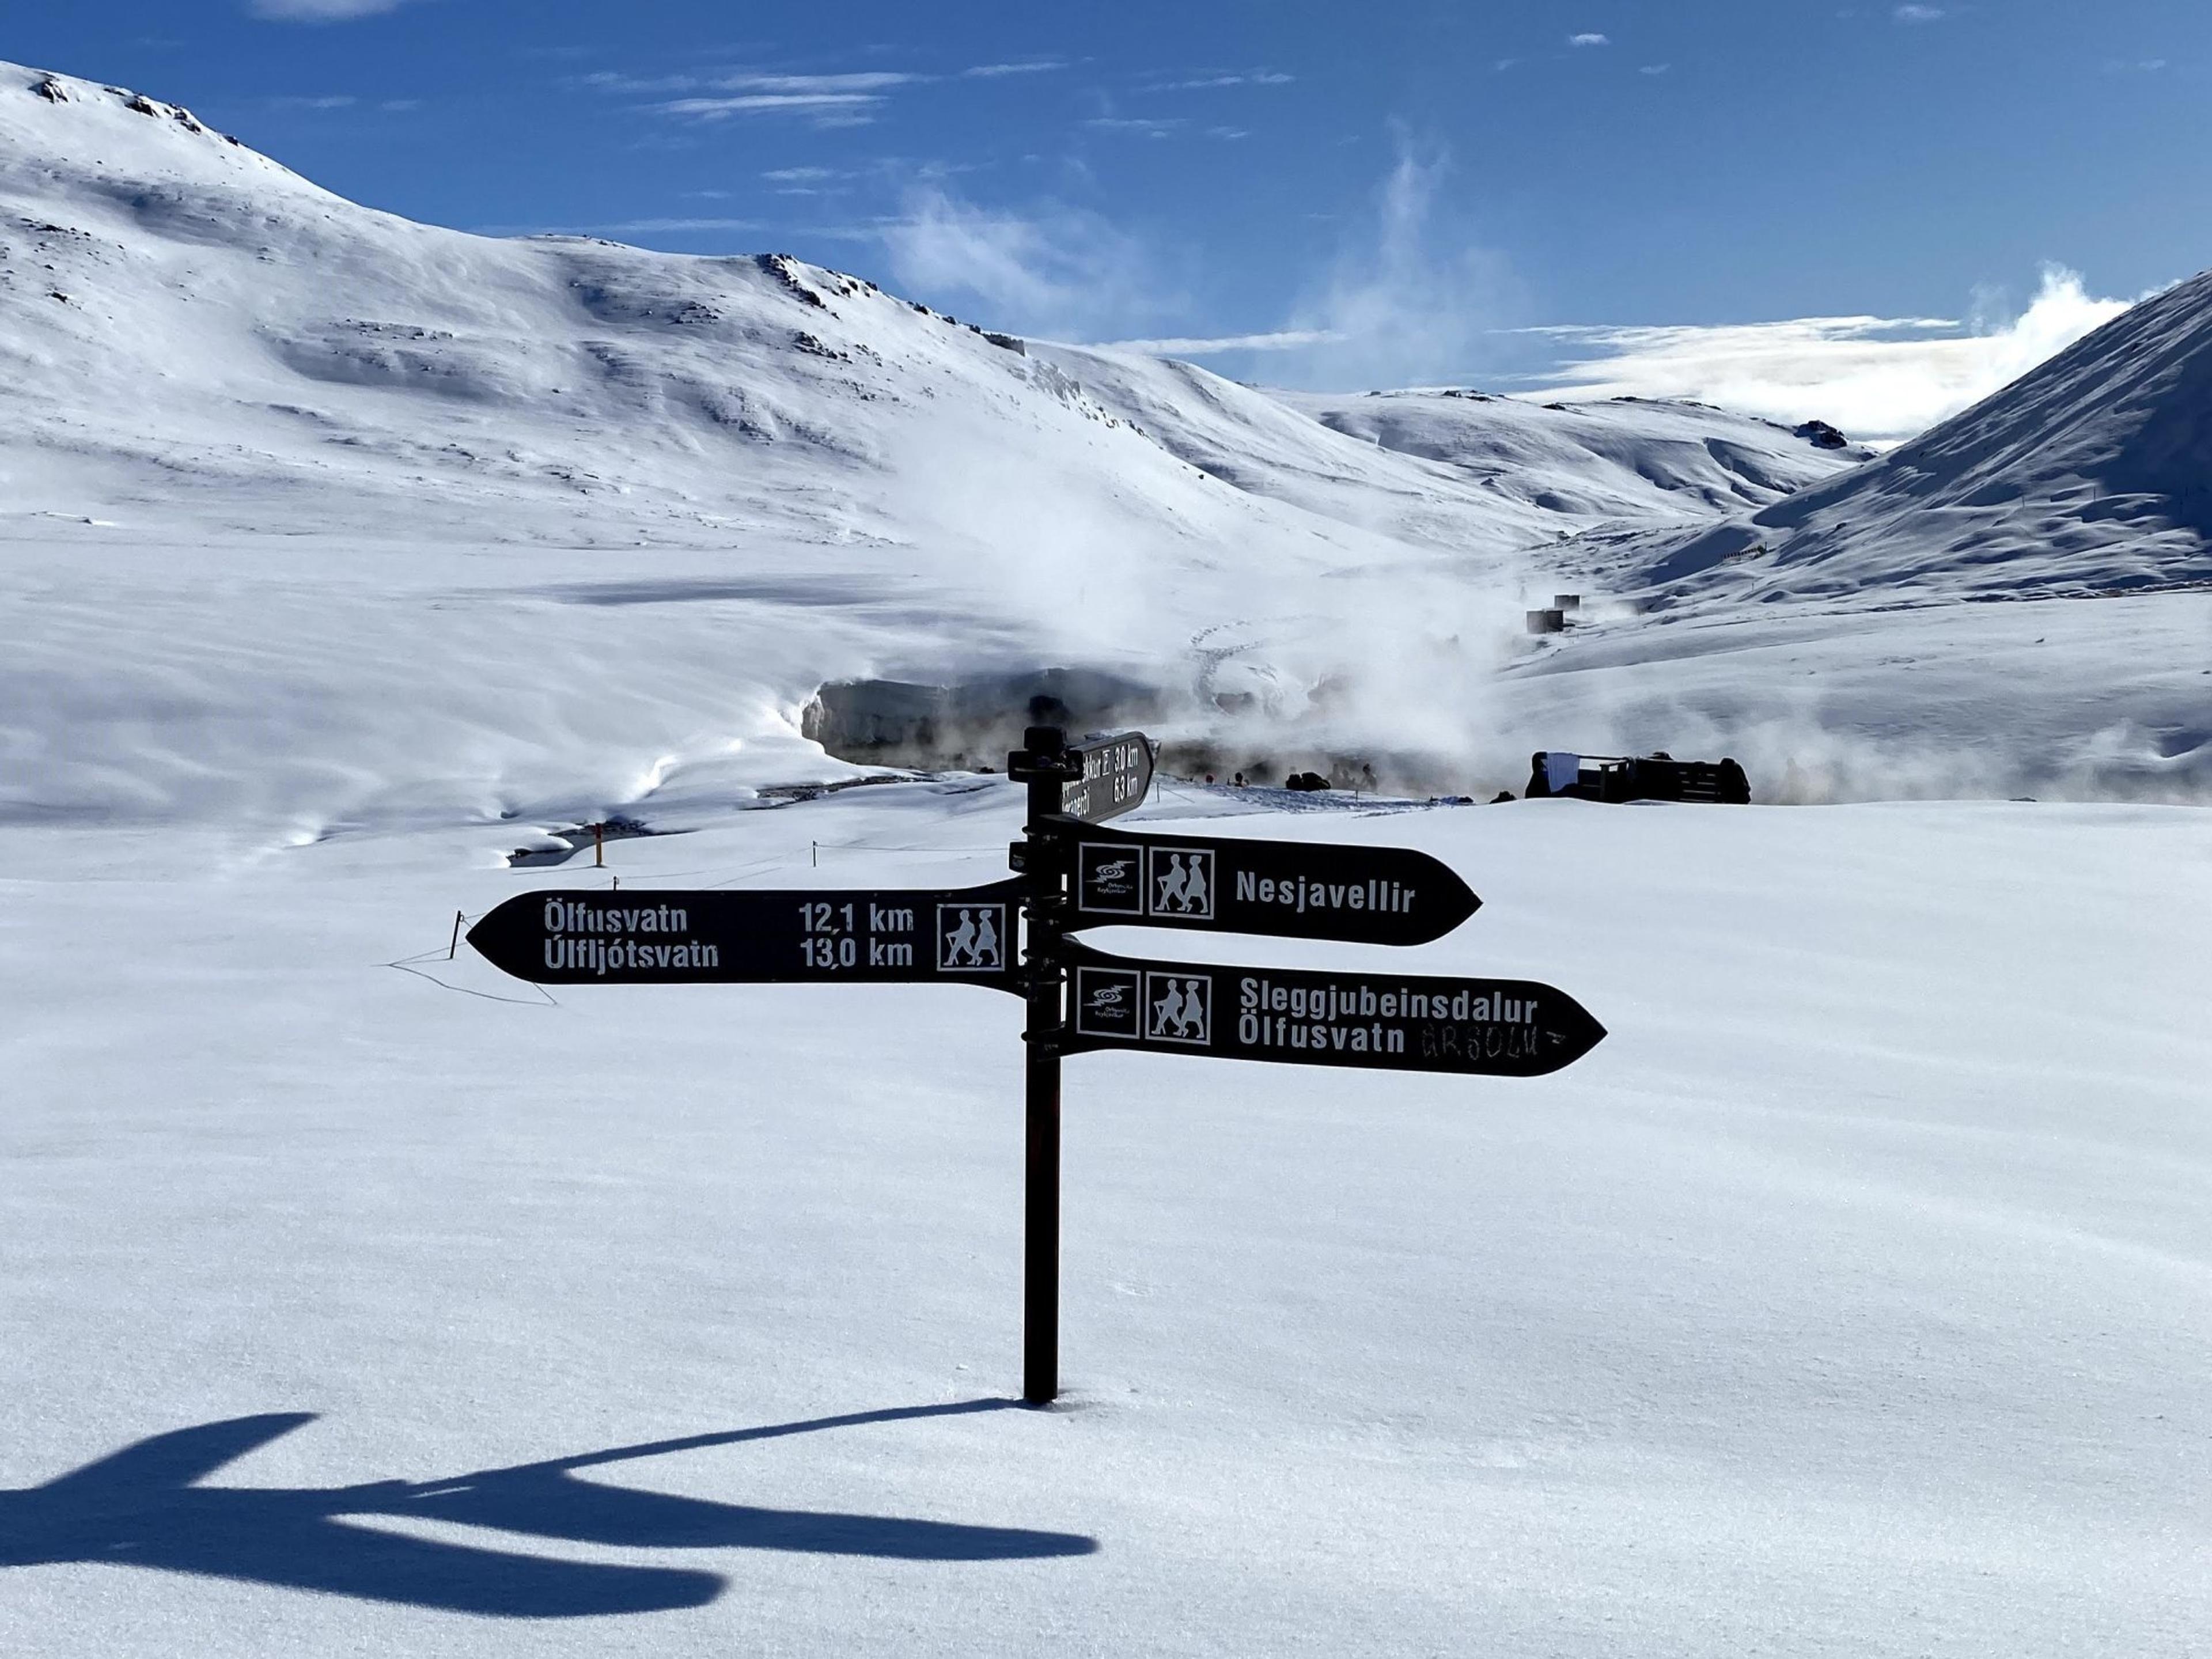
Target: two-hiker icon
<point>973,940</point>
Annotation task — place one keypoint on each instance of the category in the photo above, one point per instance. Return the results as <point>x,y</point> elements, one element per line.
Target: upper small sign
<point>1292,889</point>
<point>1117,773</point>
<point>826,935</point>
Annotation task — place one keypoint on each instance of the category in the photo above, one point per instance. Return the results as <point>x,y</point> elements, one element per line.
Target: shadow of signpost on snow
<point>142,1506</point>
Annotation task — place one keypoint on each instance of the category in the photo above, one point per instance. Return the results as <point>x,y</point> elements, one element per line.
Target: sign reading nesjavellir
<point>1294,889</point>
<point>1073,876</point>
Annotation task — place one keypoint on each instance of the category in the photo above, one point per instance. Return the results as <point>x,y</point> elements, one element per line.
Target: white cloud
<point>342,100</point>
<point>1140,124</point>
<point>826,100</point>
<point>1408,295</point>
<point>845,108</point>
<point>1208,82</point>
<point>870,81</point>
<point>1285,339</point>
<point>321,11</point>
<point>1028,66</point>
<point>1876,378</point>
<point>649,226</point>
<point>1655,69</point>
<point>1919,13</point>
<point>1055,270</point>
<point>1587,40</point>
<point>1407,299</point>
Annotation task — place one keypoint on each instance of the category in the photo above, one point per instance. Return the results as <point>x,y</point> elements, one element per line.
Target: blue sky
<point>1375,191</point>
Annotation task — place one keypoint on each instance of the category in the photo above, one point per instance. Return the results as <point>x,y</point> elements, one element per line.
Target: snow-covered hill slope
<point>183,308</point>
<point>2091,474</point>
<point>1618,458</point>
<point>1459,470</point>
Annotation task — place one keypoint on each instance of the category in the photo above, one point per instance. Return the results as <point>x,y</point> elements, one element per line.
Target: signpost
<point>1070,875</point>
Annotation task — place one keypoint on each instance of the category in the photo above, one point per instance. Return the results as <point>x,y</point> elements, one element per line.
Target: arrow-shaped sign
<point>1390,1021</point>
<point>1117,773</point>
<point>965,936</point>
<point>1294,889</point>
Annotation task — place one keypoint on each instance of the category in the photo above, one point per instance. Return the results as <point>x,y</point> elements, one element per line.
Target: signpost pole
<point>1043,764</point>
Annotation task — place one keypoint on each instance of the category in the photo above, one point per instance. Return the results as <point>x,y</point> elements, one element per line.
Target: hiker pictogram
<point>1181,1008</point>
<point>969,936</point>
<point>1182,884</point>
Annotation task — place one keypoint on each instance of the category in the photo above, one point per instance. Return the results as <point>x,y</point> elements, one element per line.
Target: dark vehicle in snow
<point>1657,776</point>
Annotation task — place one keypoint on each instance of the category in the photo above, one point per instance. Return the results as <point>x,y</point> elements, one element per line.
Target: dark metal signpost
<point>1070,875</point>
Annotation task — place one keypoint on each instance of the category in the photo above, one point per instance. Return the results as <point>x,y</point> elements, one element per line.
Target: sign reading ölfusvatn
<point>1294,889</point>
<point>1390,1022</point>
<point>965,936</point>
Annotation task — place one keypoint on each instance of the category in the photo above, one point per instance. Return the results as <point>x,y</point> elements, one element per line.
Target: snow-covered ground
<point>1852,1298</point>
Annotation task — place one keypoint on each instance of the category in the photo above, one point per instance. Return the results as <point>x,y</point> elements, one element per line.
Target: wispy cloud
<point>625,227</point>
<point>1208,82</point>
<point>339,100</point>
<point>652,227</point>
<point>846,99</point>
<point>1052,269</point>
<point>1653,69</point>
<point>1143,126</point>
<point>1875,377</point>
<point>1026,66</point>
<point>865,81</point>
<point>320,11</point>
<point>841,108</point>
<point>1919,13</point>
<point>1284,339</point>
<point>1588,41</point>
<point>1407,299</point>
<point>1410,292</point>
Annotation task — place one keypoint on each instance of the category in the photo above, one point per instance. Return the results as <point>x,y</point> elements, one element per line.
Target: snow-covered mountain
<point>316,514</point>
<point>183,307</point>
<point>2091,474</point>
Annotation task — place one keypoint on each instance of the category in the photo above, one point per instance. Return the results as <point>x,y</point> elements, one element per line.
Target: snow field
<point>1849,1298</point>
